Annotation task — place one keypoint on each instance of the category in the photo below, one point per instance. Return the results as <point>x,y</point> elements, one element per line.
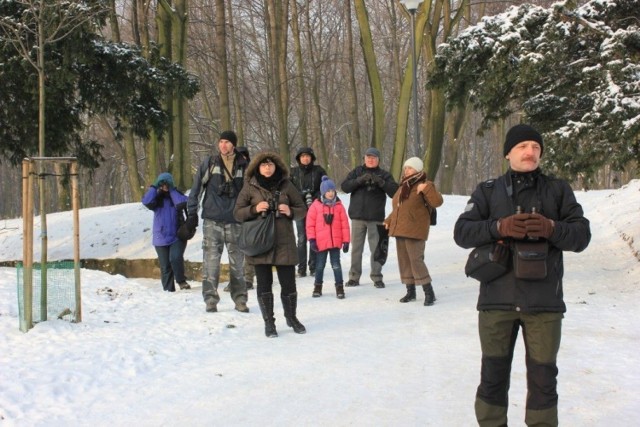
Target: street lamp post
<point>412,7</point>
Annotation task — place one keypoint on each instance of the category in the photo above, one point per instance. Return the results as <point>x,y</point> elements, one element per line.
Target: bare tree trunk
<point>277,11</point>
<point>373,74</point>
<point>404,101</point>
<point>131,159</point>
<point>302,98</point>
<point>356,139</point>
<point>180,160</point>
<point>237,99</point>
<point>443,24</point>
<point>318,126</point>
<point>455,122</point>
<point>220,47</point>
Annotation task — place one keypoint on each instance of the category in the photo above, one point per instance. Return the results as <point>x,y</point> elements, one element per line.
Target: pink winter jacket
<point>328,236</point>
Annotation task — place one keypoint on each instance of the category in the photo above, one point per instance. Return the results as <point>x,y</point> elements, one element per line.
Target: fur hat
<point>520,133</point>
<point>372,152</point>
<point>415,163</point>
<point>326,185</point>
<point>230,136</point>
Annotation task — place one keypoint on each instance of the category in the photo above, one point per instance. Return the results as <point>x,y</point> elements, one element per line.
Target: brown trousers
<point>413,270</point>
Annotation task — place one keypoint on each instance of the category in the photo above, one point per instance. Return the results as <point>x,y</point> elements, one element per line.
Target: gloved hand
<point>192,222</point>
<point>513,226</point>
<point>539,226</point>
<point>313,245</point>
<point>345,247</point>
<point>363,179</point>
<point>377,180</point>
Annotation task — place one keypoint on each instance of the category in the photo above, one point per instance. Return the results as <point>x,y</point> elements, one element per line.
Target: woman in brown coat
<point>268,189</point>
<point>409,223</point>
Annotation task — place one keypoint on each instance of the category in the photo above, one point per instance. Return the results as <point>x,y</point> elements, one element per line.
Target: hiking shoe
<point>317,290</point>
<point>184,285</point>
<point>227,289</point>
<point>352,283</point>
<point>339,291</point>
<point>242,307</point>
<point>378,284</point>
<point>302,273</point>
<point>211,306</point>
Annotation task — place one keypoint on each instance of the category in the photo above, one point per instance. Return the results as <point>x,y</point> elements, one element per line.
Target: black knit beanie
<point>520,133</point>
<point>230,136</point>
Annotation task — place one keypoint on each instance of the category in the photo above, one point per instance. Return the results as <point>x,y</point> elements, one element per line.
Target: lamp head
<point>411,5</point>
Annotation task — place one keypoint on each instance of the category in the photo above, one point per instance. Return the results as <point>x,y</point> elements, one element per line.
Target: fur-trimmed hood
<point>252,169</point>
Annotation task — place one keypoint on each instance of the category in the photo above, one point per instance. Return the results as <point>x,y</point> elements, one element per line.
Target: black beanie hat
<point>520,133</point>
<point>230,136</point>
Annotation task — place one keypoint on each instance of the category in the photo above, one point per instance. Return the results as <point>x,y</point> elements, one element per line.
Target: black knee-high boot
<point>290,304</point>
<point>429,295</point>
<point>411,294</point>
<point>265,301</point>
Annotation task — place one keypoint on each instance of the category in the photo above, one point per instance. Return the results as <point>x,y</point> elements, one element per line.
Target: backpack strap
<point>205,179</point>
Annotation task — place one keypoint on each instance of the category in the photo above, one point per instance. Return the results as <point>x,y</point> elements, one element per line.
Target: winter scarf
<point>408,182</point>
<point>271,183</point>
<point>329,202</point>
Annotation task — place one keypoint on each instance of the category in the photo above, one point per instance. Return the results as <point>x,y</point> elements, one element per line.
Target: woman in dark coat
<point>268,189</point>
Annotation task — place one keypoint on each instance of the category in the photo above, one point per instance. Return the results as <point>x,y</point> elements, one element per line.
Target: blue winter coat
<point>165,214</point>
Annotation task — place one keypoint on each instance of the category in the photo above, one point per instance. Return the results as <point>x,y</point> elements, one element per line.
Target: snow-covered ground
<point>148,358</point>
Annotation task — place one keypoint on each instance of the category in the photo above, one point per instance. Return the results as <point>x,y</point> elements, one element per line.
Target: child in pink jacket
<point>328,232</point>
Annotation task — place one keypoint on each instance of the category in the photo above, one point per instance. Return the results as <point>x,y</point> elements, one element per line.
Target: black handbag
<point>488,262</point>
<point>185,231</point>
<point>258,235</point>
<point>382,248</point>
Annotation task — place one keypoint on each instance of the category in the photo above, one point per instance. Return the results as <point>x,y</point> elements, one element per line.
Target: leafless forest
<point>331,74</point>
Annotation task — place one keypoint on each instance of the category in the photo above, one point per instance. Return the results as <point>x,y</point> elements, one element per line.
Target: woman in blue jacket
<point>167,202</point>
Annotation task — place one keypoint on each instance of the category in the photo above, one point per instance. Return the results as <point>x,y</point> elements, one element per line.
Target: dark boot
<point>339,291</point>
<point>411,294</point>
<point>317,290</point>
<point>265,301</point>
<point>290,304</point>
<point>429,296</point>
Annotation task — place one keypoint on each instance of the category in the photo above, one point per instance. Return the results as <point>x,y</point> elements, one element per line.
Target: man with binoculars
<point>537,218</point>
<point>217,183</point>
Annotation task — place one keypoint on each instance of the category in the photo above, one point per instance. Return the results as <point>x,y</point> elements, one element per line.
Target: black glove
<point>192,222</point>
<point>377,180</point>
<point>363,179</point>
<point>513,226</point>
<point>345,247</point>
<point>539,226</point>
<point>313,245</point>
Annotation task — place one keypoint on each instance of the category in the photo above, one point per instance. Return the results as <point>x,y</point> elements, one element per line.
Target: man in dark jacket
<point>306,177</point>
<point>536,216</point>
<point>369,186</point>
<point>218,182</point>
